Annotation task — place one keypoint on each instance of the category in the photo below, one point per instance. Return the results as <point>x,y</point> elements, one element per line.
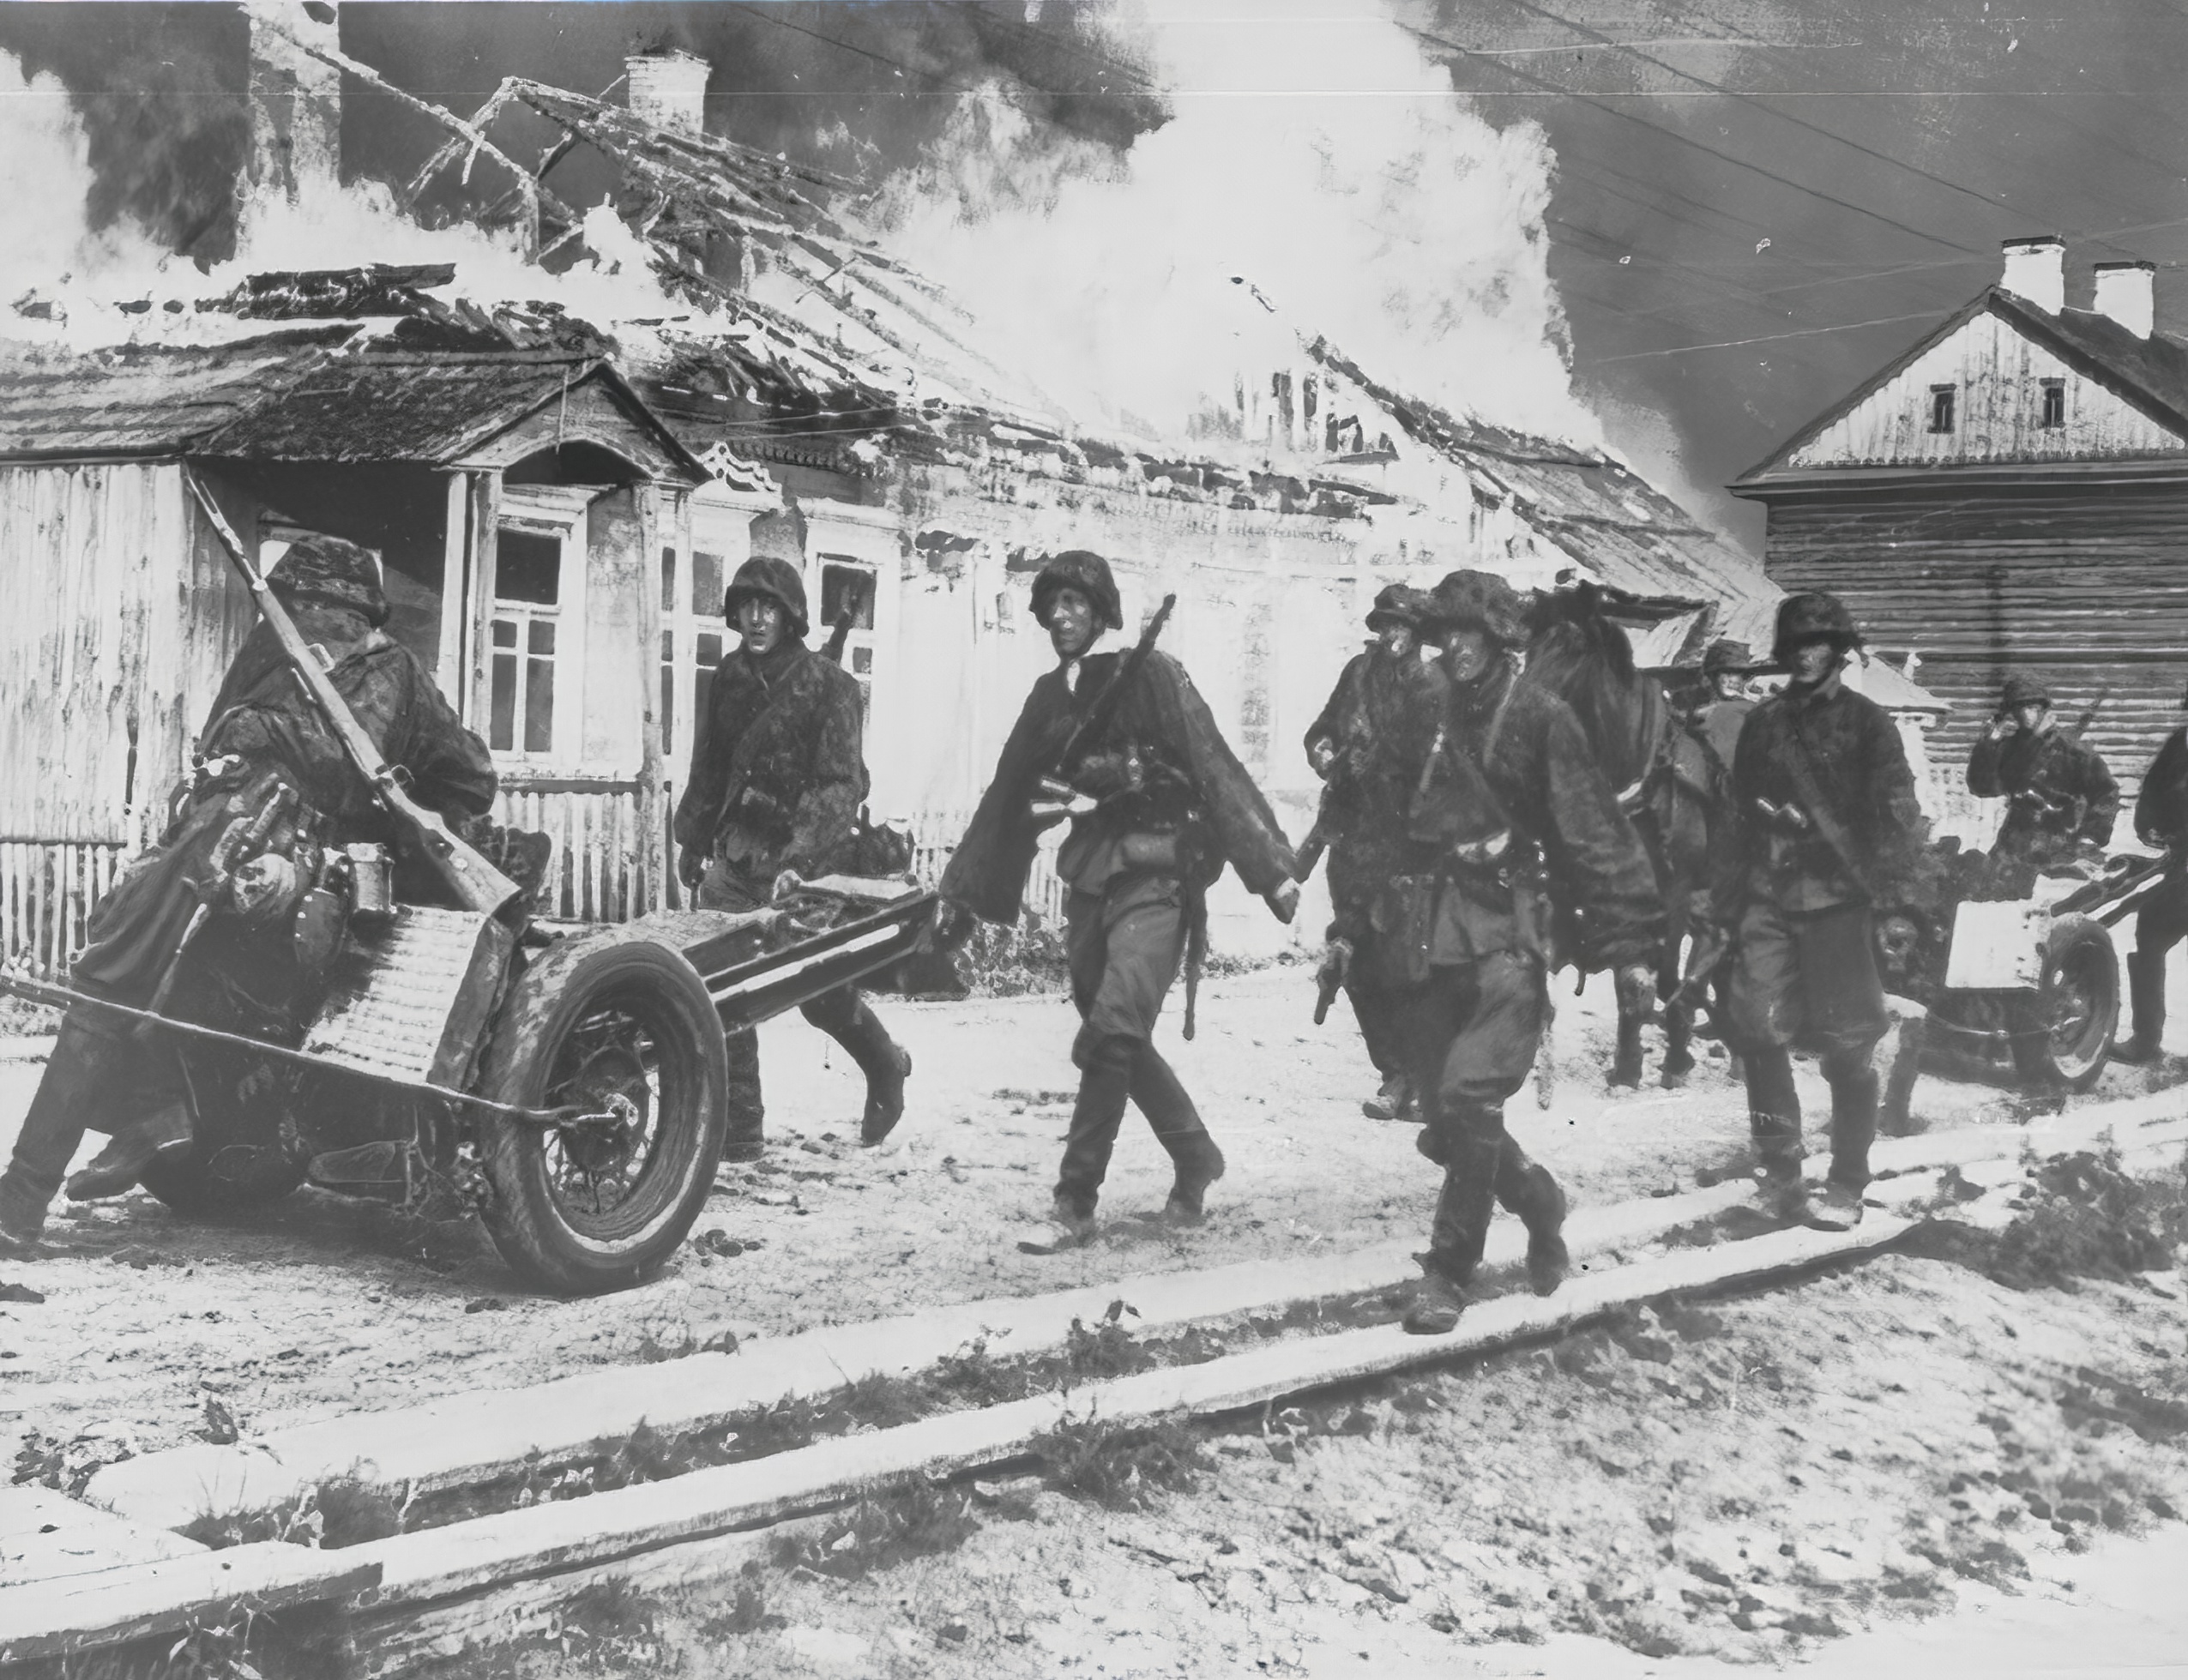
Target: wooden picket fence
<point>611,862</point>
<point>47,890</point>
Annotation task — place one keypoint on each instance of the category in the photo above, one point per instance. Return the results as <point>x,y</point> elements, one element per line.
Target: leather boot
<point>1853,1124</point>
<point>117,1167</point>
<point>1774,1122</point>
<point>1526,1189</point>
<point>1456,1239</point>
<point>886,1064</point>
<point>2146,998</point>
<point>1105,1086</point>
<point>1169,1109</point>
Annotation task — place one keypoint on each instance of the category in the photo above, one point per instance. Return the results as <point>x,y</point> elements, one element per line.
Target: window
<point>1941,407</point>
<point>521,677</point>
<point>691,647</point>
<point>2054,411</point>
<point>849,586</point>
<point>532,706</point>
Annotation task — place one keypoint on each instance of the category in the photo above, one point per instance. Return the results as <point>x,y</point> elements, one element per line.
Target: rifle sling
<point>1800,763</point>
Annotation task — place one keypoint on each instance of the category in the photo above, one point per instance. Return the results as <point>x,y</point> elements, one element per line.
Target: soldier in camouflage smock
<point>778,777</point>
<point>1367,746</point>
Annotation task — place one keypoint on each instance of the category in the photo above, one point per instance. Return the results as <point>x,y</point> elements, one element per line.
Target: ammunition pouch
<point>1405,916</point>
<point>1158,854</point>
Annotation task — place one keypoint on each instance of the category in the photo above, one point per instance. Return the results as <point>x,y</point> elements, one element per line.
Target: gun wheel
<point>620,1027</point>
<point>2077,1000</point>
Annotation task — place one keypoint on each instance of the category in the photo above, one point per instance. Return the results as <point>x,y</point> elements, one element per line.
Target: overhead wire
<point>1677,138</point>
<point>1755,101</point>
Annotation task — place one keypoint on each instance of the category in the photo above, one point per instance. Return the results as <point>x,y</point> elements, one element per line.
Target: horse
<point>1665,782</point>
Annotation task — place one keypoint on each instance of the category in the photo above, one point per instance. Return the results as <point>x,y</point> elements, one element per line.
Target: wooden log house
<point>2010,495</point>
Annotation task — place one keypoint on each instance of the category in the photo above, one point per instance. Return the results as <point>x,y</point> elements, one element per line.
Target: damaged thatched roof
<point>803,301</point>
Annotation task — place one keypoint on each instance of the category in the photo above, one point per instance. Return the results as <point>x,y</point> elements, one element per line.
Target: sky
<point>1700,224</point>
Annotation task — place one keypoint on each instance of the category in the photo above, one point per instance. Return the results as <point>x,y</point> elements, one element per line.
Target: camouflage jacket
<point>1378,725</point>
<point>779,770</point>
<point>1860,769</point>
<point>1513,801</point>
<point>2059,789</point>
<point>262,715</point>
<point>1161,765</point>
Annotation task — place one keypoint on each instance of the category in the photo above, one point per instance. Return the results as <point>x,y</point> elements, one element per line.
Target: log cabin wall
<point>2082,584</point>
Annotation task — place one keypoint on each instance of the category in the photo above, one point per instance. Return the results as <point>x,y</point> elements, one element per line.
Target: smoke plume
<point>1318,177</point>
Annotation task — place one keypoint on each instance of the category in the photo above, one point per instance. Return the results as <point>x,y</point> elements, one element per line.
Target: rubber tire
<point>551,996</point>
<point>2082,939</point>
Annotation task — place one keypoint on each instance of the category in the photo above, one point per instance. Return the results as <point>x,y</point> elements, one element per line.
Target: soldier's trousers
<point>1473,1030</point>
<point>1123,946</point>
<point>1809,978</point>
<point>843,1014</point>
<point>99,1078</point>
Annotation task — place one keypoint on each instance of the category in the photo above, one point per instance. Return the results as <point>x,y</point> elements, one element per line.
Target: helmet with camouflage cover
<point>1084,570</point>
<point>1808,617</point>
<point>328,571</point>
<point>1481,601</point>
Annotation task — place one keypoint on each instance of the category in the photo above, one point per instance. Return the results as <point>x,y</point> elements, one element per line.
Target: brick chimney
<point>2035,270</point>
<point>2125,292</point>
<point>668,89</point>
<point>296,100</point>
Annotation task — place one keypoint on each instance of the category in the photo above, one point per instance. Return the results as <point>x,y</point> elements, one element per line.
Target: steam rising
<point>1319,177</point>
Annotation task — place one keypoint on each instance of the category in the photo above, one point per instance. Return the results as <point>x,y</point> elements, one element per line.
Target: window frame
<point>557,513</point>
<point>1944,404</point>
<point>2051,396</point>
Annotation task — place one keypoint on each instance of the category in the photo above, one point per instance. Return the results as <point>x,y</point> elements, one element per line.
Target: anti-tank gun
<point>567,1084</point>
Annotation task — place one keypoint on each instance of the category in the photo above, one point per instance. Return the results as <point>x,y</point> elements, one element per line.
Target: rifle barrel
<point>476,883</point>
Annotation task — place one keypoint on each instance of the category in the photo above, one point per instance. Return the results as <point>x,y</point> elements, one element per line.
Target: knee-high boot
<point>1105,1086</point>
<point>1527,1189</point>
<point>2146,998</point>
<point>1177,1128</point>
<point>885,1064</point>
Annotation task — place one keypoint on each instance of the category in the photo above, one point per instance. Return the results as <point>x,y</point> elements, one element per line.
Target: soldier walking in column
<point>1828,830</point>
<point>2162,824</point>
<point>2061,799</point>
<point>1158,804</point>
<point>778,775</point>
<point>1367,746</point>
<point>1513,818</point>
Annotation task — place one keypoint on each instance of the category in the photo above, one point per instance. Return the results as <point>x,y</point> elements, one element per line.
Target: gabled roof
<point>2151,373</point>
<point>421,406</point>
<point>296,397</point>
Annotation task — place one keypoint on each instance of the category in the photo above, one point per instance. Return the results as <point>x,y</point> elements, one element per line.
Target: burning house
<point>558,519</point>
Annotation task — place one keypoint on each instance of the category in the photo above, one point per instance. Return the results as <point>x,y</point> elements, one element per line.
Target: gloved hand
<point>1637,990</point>
<point>787,883</point>
<point>691,867</point>
<point>1284,901</point>
<point>954,925</point>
